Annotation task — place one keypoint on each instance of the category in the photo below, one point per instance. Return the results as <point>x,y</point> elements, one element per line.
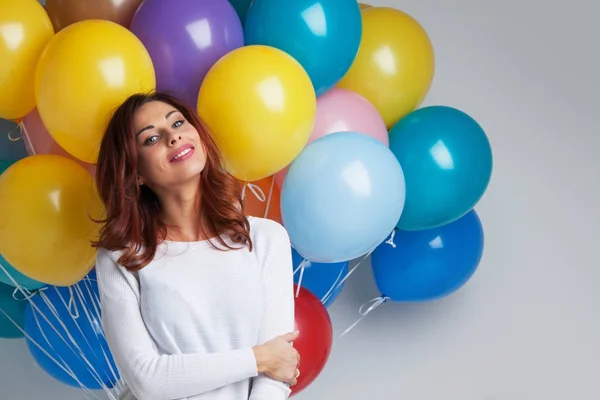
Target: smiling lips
<point>183,153</point>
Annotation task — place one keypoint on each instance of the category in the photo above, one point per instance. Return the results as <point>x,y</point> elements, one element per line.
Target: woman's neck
<point>182,214</point>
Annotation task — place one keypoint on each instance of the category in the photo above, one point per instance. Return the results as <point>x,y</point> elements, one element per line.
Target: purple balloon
<point>185,38</point>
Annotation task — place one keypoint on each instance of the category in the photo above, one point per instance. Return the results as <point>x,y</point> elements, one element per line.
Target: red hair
<point>133,221</point>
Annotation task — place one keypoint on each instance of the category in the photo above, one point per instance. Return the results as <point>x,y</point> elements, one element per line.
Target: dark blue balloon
<point>322,35</point>
<point>84,337</point>
<point>429,264</point>
<point>319,278</point>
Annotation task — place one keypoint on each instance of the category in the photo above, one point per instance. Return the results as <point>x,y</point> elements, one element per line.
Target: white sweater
<point>183,327</point>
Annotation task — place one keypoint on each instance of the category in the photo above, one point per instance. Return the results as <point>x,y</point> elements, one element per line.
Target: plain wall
<point>527,325</point>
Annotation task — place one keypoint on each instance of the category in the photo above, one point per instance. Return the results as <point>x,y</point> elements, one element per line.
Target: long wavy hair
<point>133,224</point>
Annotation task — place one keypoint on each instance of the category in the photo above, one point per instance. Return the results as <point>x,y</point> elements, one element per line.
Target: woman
<point>197,300</point>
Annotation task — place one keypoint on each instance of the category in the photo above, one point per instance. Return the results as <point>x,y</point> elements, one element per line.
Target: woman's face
<point>169,148</point>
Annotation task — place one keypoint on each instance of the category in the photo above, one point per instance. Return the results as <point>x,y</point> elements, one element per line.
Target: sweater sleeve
<point>278,291</point>
<point>149,374</point>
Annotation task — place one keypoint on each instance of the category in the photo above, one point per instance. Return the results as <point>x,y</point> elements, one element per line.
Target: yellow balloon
<point>260,106</point>
<point>25,29</point>
<point>394,66</point>
<point>364,5</point>
<point>47,203</point>
<point>87,70</point>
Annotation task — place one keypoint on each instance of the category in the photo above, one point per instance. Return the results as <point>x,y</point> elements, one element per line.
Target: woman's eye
<point>151,140</point>
<point>177,124</point>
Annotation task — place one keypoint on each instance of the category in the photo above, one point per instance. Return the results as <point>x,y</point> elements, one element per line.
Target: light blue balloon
<point>15,309</point>
<point>429,264</point>
<point>321,279</point>
<point>447,162</point>
<point>322,35</point>
<point>20,278</point>
<point>341,197</point>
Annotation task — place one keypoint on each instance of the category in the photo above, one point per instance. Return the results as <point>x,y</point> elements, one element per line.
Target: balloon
<point>260,107</point>
<point>52,201</point>
<point>7,271</point>
<point>87,70</point>
<point>12,313</point>
<point>50,322</point>
<point>259,204</point>
<point>66,12</point>
<point>395,63</point>
<point>38,141</point>
<point>320,279</point>
<point>12,145</point>
<point>25,29</point>
<point>364,5</point>
<point>241,8</point>
<point>341,197</point>
<point>429,264</point>
<point>323,36</point>
<point>185,38</point>
<point>341,110</point>
<point>447,163</point>
<point>315,339</point>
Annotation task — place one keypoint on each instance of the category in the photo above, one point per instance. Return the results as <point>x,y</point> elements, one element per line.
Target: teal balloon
<point>12,312</point>
<point>21,279</point>
<point>447,162</point>
<point>241,8</point>
<point>322,35</point>
<point>12,145</point>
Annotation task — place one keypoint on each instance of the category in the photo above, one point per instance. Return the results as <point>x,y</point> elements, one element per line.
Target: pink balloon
<point>39,141</point>
<point>342,110</point>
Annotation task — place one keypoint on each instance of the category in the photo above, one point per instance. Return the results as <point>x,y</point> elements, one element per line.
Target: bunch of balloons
<point>316,107</point>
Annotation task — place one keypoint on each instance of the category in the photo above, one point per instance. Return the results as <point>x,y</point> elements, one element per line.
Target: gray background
<point>527,326</point>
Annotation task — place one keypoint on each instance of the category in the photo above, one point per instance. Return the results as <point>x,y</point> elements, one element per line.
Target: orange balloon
<point>258,203</point>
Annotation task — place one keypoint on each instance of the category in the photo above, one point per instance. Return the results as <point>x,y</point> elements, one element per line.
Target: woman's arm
<point>148,374</point>
<point>278,290</point>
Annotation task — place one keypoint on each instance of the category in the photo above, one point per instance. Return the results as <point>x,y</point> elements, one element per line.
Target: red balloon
<point>315,339</point>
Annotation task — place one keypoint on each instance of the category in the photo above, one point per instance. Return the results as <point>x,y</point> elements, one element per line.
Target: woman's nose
<point>174,138</point>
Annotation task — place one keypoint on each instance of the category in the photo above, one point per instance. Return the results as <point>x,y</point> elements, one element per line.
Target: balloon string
<point>269,197</point>
<point>95,300</point>
<point>390,241</point>
<point>334,285</point>
<point>64,367</point>
<point>257,191</point>
<point>373,304</point>
<point>39,312</point>
<point>27,294</point>
<point>99,333</point>
<point>72,306</point>
<point>73,345</point>
<point>25,134</point>
<point>15,138</point>
<point>304,264</point>
<point>331,290</point>
<point>63,363</point>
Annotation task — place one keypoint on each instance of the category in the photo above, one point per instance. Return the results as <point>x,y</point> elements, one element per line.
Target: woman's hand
<point>279,359</point>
